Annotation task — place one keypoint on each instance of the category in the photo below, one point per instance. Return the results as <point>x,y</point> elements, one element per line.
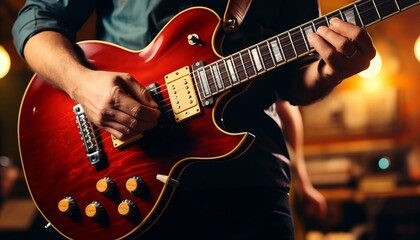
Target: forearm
<point>53,56</point>
<point>296,143</point>
<point>302,175</point>
<point>294,134</point>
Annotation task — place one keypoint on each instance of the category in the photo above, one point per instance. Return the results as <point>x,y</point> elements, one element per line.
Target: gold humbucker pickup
<point>182,94</point>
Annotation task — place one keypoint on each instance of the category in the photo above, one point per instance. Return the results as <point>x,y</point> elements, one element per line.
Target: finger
<point>138,92</point>
<point>340,43</point>
<point>122,125</point>
<point>327,52</point>
<point>115,114</point>
<point>358,36</point>
<point>135,111</point>
<point>115,130</point>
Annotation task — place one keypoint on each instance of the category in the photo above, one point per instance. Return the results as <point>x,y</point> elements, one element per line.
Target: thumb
<point>138,92</point>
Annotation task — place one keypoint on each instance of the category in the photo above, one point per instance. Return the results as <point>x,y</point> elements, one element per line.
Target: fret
<point>298,42</point>
<point>271,53</point>
<point>308,47</point>
<point>341,15</point>
<point>313,25</point>
<point>250,68</point>
<point>334,14</point>
<point>398,6</point>
<point>351,15</point>
<point>256,59</point>
<point>288,50</point>
<point>291,43</point>
<point>210,80</point>
<point>276,49</point>
<point>362,24</point>
<point>240,68</point>
<point>216,76</point>
<point>243,65</point>
<point>202,78</point>
<point>231,71</point>
<point>224,74</point>
<point>266,55</point>
<point>367,12</point>
<point>406,3</point>
<point>377,11</point>
<point>326,21</point>
<point>386,8</point>
<point>308,29</point>
<point>320,22</point>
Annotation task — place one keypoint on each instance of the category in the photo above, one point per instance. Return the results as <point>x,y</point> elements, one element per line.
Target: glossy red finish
<point>54,158</point>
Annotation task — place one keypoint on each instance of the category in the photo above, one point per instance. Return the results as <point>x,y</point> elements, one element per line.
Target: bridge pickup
<point>182,94</point>
<point>93,151</point>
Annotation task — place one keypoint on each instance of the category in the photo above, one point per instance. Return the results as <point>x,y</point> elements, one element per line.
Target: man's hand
<point>345,49</point>
<point>117,103</point>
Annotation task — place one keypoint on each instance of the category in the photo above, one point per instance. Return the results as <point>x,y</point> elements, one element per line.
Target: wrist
<point>75,80</point>
<point>325,78</point>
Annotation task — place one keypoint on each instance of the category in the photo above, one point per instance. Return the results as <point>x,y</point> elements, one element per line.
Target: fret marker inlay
<point>350,17</point>
<point>231,70</point>
<point>276,50</point>
<point>256,59</point>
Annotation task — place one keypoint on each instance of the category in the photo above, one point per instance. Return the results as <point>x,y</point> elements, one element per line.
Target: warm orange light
<point>374,68</point>
<point>417,49</point>
<point>4,62</point>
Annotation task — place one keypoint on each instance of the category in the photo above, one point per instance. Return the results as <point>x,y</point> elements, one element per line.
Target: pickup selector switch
<point>136,186</point>
<point>193,39</point>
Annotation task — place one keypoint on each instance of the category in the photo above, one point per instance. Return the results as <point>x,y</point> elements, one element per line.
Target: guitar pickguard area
<point>182,94</point>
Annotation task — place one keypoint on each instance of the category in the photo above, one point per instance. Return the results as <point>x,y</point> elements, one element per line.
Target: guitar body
<point>69,191</point>
<point>54,158</point>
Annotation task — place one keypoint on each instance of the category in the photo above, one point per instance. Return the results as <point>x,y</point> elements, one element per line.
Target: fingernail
<point>333,20</point>
<point>321,29</point>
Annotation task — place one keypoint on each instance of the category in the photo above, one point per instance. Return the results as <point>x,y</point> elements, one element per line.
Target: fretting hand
<point>345,49</point>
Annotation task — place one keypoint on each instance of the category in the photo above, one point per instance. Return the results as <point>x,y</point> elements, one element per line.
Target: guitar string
<point>291,46</point>
<point>247,63</point>
<point>301,43</point>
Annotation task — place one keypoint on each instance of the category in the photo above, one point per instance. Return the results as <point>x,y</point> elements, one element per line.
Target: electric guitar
<point>88,184</point>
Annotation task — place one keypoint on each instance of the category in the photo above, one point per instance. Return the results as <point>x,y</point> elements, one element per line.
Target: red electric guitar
<point>88,184</point>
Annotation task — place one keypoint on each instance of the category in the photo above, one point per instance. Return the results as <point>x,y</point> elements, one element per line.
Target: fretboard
<point>276,51</point>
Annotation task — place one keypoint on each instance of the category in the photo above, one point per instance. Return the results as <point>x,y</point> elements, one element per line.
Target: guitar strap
<point>235,13</point>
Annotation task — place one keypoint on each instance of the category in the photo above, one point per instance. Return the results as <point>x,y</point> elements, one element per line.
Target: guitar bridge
<point>88,136</point>
<point>182,94</point>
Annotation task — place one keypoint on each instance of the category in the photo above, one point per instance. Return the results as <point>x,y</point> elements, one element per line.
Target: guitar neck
<point>276,51</point>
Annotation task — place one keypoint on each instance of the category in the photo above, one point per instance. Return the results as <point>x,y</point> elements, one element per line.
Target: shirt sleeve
<point>65,17</point>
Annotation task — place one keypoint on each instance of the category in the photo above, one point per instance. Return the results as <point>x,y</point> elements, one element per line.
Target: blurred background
<point>362,142</point>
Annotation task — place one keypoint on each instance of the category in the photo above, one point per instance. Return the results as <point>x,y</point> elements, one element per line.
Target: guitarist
<point>244,199</point>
